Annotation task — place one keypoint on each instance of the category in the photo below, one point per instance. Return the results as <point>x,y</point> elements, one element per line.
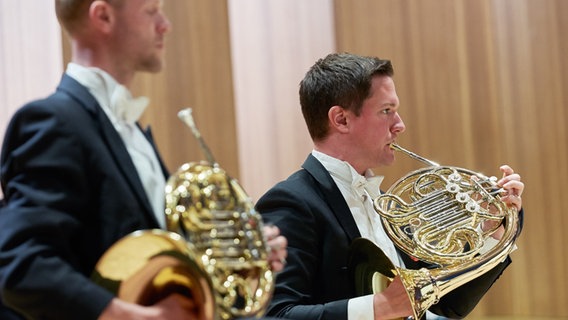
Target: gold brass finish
<point>213,252</point>
<point>213,212</point>
<point>441,214</point>
<point>148,265</point>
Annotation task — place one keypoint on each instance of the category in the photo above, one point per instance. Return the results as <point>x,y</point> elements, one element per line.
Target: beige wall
<point>198,74</point>
<point>482,82</point>
<point>273,43</point>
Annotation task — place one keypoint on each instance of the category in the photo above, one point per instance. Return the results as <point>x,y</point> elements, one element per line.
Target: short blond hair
<point>73,13</point>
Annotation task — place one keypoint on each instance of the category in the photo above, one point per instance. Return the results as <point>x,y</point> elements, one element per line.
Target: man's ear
<point>338,119</point>
<point>101,14</point>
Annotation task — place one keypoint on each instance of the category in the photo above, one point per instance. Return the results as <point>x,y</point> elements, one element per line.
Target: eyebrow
<point>390,104</point>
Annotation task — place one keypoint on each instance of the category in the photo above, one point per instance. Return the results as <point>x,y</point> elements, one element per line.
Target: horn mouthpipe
<point>413,155</point>
<point>186,116</point>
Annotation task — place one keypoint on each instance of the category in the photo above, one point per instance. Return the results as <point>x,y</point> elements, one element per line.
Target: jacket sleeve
<point>300,292</point>
<point>45,187</point>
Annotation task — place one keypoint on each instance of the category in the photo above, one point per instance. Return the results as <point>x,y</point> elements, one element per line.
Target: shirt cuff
<point>360,308</point>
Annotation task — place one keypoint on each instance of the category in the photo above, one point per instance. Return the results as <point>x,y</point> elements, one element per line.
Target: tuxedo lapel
<point>148,134</point>
<point>332,196</point>
<point>124,161</point>
<point>112,139</point>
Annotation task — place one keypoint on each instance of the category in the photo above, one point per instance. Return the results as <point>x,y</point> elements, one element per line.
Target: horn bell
<point>146,266</point>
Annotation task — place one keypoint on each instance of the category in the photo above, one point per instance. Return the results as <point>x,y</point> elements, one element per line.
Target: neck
<point>342,154</point>
<point>90,57</point>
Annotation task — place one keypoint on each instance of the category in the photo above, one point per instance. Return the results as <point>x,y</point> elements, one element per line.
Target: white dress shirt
<point>359,192</point>
<point>123,112</point>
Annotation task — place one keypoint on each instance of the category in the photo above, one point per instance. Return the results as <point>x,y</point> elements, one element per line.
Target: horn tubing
<point>426,286</point>
<point>186,116</point>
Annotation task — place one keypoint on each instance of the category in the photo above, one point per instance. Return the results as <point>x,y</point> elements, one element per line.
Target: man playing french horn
<point>328,211</point>
<point>78,174</point>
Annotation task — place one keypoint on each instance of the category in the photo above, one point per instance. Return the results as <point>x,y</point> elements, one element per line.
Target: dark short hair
<point>339,79</point>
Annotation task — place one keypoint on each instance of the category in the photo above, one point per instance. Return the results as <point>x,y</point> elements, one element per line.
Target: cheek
<point>381,130</point>
<point>372,130</point>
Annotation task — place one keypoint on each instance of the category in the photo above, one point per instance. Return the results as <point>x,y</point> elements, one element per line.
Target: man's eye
<point>153,10</point>
<point>386,111</point>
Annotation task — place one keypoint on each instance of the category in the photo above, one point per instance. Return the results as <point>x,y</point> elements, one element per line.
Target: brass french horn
<point>213,252</point>
<point>215,214</point>
<point>437,214</point>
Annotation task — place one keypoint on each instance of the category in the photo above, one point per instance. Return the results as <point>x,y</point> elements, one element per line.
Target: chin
<point>153,66</point>
<point>387,161</point>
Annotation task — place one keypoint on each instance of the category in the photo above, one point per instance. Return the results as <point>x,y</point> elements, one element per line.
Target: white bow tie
<point>370,184</point>
<point>126,107</point>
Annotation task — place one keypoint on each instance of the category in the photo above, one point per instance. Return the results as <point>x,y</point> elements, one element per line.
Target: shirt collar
<point>344,172</point>
<point>115,98</point>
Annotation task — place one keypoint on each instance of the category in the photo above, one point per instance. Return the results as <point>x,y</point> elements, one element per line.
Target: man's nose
<point>398,126</point>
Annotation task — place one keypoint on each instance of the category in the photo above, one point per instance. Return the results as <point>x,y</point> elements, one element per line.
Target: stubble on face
<point>380,118</point>
<point>142,36</point>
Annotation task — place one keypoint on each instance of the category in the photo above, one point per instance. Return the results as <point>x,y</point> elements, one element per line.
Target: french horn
<point>214,213</point>
<point>442,215</point>
<point>212,252</point>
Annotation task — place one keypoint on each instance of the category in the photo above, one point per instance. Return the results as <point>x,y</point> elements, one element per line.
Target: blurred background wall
<point>481,83</point>
<point>30,54</point>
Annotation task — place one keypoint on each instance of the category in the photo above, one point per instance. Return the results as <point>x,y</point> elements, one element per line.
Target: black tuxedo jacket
<point>316,282</point>
<point>71,191</point>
